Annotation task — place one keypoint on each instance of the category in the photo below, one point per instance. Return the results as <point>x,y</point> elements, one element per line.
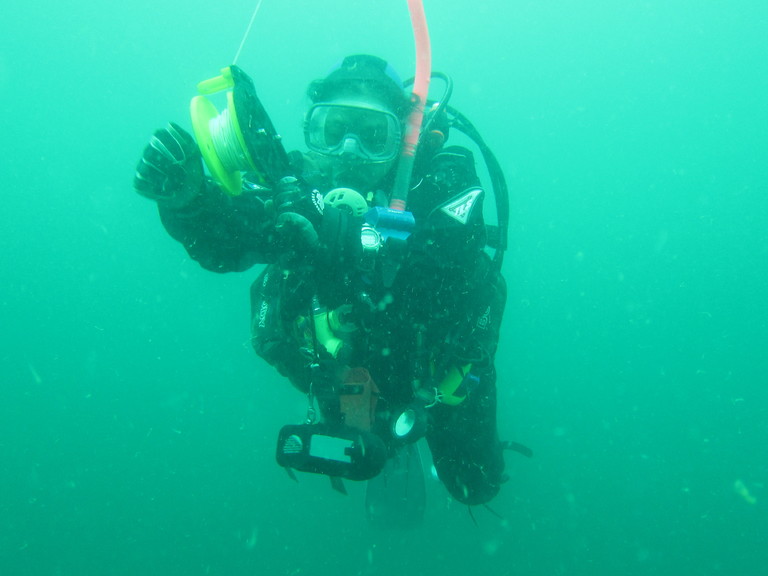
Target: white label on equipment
<point>330,448</point>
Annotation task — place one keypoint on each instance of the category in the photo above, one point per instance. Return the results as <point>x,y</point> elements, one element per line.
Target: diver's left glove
<point>299,210</point>
<point>171,169</point>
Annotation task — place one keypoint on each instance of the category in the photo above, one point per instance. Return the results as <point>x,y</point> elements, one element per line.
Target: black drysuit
<point>429,305</point>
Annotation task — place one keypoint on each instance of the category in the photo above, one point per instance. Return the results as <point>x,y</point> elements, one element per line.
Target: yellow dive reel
<point>239,139</point>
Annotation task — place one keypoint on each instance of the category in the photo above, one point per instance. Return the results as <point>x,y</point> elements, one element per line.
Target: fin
<point>338,484</point>
<point>396,498</point>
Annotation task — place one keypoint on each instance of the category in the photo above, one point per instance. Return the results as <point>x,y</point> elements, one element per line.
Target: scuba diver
<point>387,320</point>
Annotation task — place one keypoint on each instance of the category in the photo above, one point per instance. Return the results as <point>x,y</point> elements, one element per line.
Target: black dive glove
<point>299,212</point>
<point>171,169</point>
<point>292,196</point>
<point>308,228</point>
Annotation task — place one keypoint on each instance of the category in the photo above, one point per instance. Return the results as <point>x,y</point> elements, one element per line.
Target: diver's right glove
<point>171,169</point>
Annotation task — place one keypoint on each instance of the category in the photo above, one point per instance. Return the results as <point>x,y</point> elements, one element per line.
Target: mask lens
<point>373,131</point>
<point>376,131</point>
<point>337,125</point>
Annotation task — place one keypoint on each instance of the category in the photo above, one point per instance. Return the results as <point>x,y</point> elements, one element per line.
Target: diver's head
<point>355,124</point>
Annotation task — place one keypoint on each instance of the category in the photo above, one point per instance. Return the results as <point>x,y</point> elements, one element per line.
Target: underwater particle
<point>35,374</point>
<point>253,538</point>
<point>642,553</point>
<point>491,547</point>
<point>741,489</point>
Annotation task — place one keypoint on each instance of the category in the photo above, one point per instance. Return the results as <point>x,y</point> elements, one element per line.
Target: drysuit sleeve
<point>469,291</point>
<point>223,233</point>
<point>232,233</point>
<point>484,312</point>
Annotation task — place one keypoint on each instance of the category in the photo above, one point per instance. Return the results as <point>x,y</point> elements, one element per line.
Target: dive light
<point>410,424</point>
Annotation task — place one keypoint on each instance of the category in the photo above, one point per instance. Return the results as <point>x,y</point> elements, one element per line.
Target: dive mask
<point>355,129</point>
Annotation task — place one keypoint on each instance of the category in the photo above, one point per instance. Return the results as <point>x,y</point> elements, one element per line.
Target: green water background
<point>137,428</point>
